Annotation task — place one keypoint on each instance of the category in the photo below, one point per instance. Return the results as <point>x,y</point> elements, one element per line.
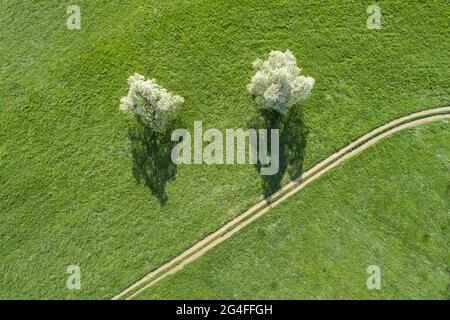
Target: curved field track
<point>262,207</point>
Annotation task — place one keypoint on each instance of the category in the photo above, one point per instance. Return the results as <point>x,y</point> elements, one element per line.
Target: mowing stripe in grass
<point>284,193</point>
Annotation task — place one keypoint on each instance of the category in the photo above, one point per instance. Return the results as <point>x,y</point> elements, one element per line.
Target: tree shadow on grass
<point>292,144</point>
<point>151,158</point>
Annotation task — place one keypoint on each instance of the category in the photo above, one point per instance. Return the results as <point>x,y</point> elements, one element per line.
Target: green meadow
<point>80,186</point>
<point>386,207</point>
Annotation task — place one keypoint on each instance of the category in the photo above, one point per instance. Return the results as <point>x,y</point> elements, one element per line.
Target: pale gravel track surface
<point>263,206</point>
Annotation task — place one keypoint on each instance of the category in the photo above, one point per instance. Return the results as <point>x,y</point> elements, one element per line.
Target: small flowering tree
<point>149,102</point>
<point>278,83</point>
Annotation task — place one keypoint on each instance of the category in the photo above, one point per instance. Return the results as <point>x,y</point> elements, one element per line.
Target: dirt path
<point>247,217</point>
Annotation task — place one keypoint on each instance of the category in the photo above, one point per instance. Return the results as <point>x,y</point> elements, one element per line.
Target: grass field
<point>68,194</point>
<point>382,208</point>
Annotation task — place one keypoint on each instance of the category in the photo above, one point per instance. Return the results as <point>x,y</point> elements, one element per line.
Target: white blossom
<point>278,83</point>
<point>149,102</point>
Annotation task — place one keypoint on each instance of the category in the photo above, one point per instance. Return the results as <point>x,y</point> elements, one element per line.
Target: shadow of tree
<point>151,158</point>
<point>293,139</point>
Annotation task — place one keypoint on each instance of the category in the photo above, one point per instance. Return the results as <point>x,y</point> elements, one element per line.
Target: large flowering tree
<point>278,83</point>
<point>149,102</point>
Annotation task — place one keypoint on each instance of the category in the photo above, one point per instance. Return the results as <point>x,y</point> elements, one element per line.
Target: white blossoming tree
<point>278,83</point>
<point>149,102</point>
